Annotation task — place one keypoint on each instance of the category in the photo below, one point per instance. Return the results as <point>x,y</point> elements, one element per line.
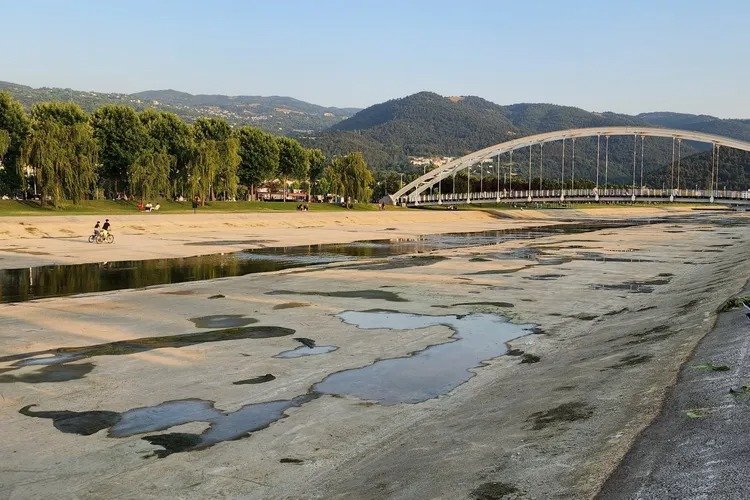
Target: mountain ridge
<point>277,114</point>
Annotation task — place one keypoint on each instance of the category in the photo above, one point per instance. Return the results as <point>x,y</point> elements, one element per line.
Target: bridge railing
<point>562,194</point>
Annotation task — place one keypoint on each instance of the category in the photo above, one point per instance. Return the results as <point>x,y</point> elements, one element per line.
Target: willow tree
<point>227,179</point>
<point>350,177</point>
<point>148,175</point>
<point>63,152</point>
<point>202,169</point>
<point>215,159</point>
<point>169,134</point>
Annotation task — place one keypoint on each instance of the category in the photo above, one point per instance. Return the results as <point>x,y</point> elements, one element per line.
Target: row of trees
<point>68,154</point>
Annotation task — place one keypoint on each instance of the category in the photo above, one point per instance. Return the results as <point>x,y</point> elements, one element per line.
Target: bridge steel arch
<point>411,191</point>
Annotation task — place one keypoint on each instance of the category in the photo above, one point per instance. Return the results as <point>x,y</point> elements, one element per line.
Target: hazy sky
<point>625,56</point>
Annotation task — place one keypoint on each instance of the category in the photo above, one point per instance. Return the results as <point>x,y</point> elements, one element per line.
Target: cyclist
<point>96,229</point>
<point>105,228</point>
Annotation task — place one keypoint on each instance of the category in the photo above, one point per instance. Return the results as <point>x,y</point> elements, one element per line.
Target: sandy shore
<point>34,241</point>
<point>613,335</point>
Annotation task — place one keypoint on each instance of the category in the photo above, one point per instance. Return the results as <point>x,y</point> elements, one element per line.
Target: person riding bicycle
<point>105,228</point>
<point>96,229</point>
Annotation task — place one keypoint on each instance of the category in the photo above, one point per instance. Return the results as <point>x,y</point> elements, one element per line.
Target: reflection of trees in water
<point>50,281</point>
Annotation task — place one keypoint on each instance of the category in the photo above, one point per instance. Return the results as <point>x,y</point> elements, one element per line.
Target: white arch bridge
<point>427,189</point>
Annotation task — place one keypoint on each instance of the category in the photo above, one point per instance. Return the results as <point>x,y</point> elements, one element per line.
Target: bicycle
<point>100,238</point>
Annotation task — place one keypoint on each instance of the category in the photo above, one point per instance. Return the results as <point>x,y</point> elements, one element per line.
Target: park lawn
<point>111,207</point>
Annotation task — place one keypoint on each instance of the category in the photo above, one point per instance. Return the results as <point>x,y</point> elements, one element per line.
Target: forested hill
<point>281,115</point>
<point>426,124</point>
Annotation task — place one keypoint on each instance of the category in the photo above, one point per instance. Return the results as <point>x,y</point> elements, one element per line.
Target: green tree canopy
<point>4,143</point>
<point>350,177</point>
<point>149,174</point>
<point>317,162</point>
<point>121,137</point>
<point>62,149</point>
<point>293,160</point>
<point>259,153</point>
<point>169,134</point>
<point>203,168</point>
<point>212,129</point>
<point>227,179</point>
<point>215,159</point>
<point>16,123</point>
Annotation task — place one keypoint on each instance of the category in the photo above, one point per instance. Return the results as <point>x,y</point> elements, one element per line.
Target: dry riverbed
<point>601,320</point>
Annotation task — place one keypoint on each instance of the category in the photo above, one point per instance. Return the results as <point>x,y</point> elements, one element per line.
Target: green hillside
<point>427,124</point>
<point>281,115</point>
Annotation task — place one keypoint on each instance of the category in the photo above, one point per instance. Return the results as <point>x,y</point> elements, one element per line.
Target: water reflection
<point>17,285</point>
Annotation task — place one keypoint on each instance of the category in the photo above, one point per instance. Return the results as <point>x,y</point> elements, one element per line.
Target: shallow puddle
<point>52,373</point>
<point>419,376</point>
<point>302,351</point>
<point>262,379</point>
<point>428,373</point>
<point>63,355</point>
<point>352,294</point>
<point>222,321</point>
<point>290,305</point>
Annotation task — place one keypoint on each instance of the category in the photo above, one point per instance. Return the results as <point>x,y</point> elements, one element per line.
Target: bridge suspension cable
<point>606,163</point>
<point>562,171</point>
<point>598,147</point>
<point>468,184</point>
<point>643,140</point>
<point>635,145</point>
<point>718,151</point>
<point>679,158</point>
<point>510,171</point>
<point>541,163</point>
<point>529,168</point>
<point>573,166</point>
<point>671,168</point>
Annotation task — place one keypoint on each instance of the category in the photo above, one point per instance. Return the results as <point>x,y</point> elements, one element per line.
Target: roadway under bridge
<point>427,189</point>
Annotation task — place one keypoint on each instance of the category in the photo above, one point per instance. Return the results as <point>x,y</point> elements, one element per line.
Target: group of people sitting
<point>148,207</point>
<point>303,207</point>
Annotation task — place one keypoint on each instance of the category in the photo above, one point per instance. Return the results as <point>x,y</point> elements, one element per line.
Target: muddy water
<point>17,285</point>
<point>413,378</point>
<point>424,374</point>
<point>62,355</point>
<point>303,351</point>
<point>222,321</point>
